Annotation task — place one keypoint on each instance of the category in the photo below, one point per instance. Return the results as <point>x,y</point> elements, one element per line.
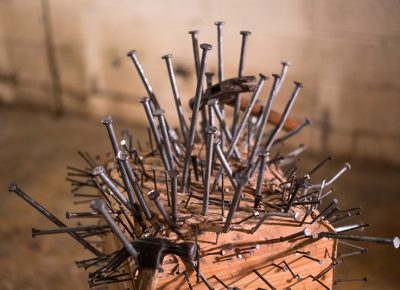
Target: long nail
<point>100,206</point>
<point>236,111</point>
<point>224,163</point>
<point>284,116</point>
<point>174,195</point>
<point>267,214</point>
<point>194,164</point>
<point>175,91</point>
<point>264,280</point>
<point>242,124</point>
<point>220,25</point>
<point>304,233</point>
<point>123,156</point>
<point>99,171</point>
<point>139,68</point>
<point>260,178</point>
<point>209,161</point>
<point>146,104</point>
<point>293,132</point>
<point>345,168</point>
<point>14,188</point>
<point>214,105</point>
<point>330,206</point>
<point>263,121</point>
<point>241,181</point>
<point>221,282</point>
<point>154,195</point>
<point>194,35</point>
<point>395,242</point>
<point>91,228</point>
<point>254,214</point>
<point>189,144</point>
<point>347,228</point>
<point>107,121</point>
<point>164,131</point>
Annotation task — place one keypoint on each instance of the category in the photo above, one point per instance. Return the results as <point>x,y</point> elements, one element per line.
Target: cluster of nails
<point>119,197</point>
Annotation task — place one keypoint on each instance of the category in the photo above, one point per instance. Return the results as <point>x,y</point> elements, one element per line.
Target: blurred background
<point>63,66</point>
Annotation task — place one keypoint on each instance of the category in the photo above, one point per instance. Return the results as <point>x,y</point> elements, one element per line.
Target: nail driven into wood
<point>123,156</point>
<point>260,178</point>
<point>153,126</point>
<point>224,162</point>
<point>254,214</point>
<point>241,181</point>
<point>395,242</point>
<point>211,131</point>
<point>14,188</point>
<point>159,113</point>
<point>242,60</point>
<point>264,280</point>
<point>194,36</point>
<point>100,206</point>
<point>335,177</point>
<point>174,193</point>
<point>198,96</point>
<point>154,195</point>
<point>177,99</point>
<point>267,214</point>
<point>241,125</point>
<point>329,207</point>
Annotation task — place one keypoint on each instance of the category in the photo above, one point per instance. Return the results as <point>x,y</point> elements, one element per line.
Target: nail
<point>63,230</point>
<point>242,124</point>
<point>146,104</point>
<point>224,163</point>
<point>123,156</point>
<point>296,276</point>
<point>177,99</point>
<point>154,178</point>
<point>220,253</point>
<point>187,280</point>
<point>284,116</point>
<point>161,119</point>
<point>209,161</point>
<point>264,280</point>
<point>209,76</point>
<point>306,232</point>
<point>241,181</point>
<point>214,105</point>
<point>336,176</point>
<point>99,171</point>
<point>395,242</point>
<point>14,188</point>
<point>221,282</point>
<point>347,228</point>
<point>319,282</point>
<point>263,121</point>
<point>194,35</point>
<point>194,164</point>
<point>174,196</point>
<point>150,140</point>
<point>254,214</point>
<point>319,165</point>
<point>220,25</point>
<point>154,195</point>
<point>293,132</point>
<point>341,280</point>
<point>313,259</point>
<point>329,207</point>
<point>189,144</point>
<point>267,214</point>
<point>100,206</point>
<point>342,256</point>
<point>261,176</point>
<point>243,49</point>
<point>139,68</point>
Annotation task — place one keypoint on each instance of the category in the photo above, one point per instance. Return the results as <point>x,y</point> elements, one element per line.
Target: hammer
<point>148,253</point>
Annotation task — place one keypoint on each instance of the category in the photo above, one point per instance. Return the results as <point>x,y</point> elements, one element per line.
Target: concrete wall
<point>345,52</point>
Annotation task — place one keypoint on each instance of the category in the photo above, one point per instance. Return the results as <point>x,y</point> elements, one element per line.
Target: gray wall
<point>345,52</point>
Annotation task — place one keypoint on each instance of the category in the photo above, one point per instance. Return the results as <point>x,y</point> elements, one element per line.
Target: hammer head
<point>153,250</point>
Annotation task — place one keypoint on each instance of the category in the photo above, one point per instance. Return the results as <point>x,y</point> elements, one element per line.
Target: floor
<point>36,148</point>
